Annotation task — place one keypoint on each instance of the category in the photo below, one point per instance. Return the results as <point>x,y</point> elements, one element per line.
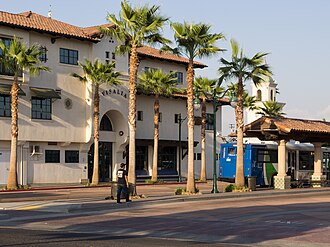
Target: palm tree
<point>271,108</point>
<point>248,101</point>
<point>193,40</point>
<point>17,58</point>
<point>135,27</point>
<point>97,73</point>
<point>242,69</point>
<point>159,84</point>
<point>205,88</point>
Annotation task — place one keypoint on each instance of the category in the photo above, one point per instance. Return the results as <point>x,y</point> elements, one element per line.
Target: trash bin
<point>252,183</point>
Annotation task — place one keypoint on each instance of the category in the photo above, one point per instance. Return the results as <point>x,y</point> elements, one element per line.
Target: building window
<point>107,54</point>
<point>177,118</point>
<point>141,158</point>
<point>140,115</point>
<point>199,156</point>
<point>259,95</point>
<point>271,95</point>
<point>5,105</point>
<point>105,124</point>
<point>160,117</point>
<point>107,61</point>
<point>179,76</point>
<point>3,70</point>
<point>68,56</point>
<point>209,121</point>
<point>52,156</point>
<point>43,55</point>
<point>113,55</point>
<point>146,69</point>
<point>71,156</point>
<point>41,108</point>
<point>167,158</point>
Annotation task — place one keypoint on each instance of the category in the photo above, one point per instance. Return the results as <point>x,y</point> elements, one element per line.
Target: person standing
<point>122,183</point>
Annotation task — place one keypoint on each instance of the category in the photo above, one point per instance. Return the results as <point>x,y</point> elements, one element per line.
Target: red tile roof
<point>94,31</point>
<point>155,53</point>
<point>300,125</point>
<point>277,128</point>
<point>32,21</point>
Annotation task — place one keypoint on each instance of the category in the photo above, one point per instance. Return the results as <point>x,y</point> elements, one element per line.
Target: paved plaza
<point>299,217</point>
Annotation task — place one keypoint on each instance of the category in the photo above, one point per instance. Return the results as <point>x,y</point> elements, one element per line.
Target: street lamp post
<point>215,108</point>
<point>180,120</point>
<point>215,98</point>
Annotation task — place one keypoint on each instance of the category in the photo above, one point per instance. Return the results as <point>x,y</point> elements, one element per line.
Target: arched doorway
<point>105,162</point>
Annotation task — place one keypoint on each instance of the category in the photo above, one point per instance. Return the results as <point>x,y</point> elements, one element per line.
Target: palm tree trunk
<point>239,179</point>
<point>156,137</point>
<point>203,162</point>
<point>134,64</point>
<point>190,116</point>
<point>12,178</point>
<point>95,178</point>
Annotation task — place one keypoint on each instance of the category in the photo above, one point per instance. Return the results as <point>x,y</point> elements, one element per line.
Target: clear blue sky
<point>295,32</point>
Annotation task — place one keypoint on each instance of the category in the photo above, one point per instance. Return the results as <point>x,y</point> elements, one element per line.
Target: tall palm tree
<point>193,40</point>
<point>204,87</point>
<point>248,101</point>
<point>271,108</point>
<point>97,73</point>
<point>18,58</point>
<point>242,68</point>
<point>135,27</point>
<point>158,84</point>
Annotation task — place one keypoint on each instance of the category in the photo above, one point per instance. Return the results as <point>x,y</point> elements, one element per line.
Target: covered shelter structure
<point>281,130</point>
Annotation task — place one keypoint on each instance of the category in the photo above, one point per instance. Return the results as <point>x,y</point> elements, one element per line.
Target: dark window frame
<point>141,157</point>
<point>71,156</point>
<point>105,124</point>
<point>140,115</point>
<point>52,156</point>
<point>41,108</point>
<point>209,121</point>
<point>176,117</point>
<point>43,55</point>
<point>5,105</point>
<point>179,77</point>
<point>69,56</point>
<point>167,158</point>
<point>3,70</point>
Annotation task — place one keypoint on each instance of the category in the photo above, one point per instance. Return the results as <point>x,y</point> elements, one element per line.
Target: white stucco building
<point>55,141</point>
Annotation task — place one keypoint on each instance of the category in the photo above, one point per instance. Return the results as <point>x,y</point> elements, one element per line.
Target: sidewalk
<point>151,193</point>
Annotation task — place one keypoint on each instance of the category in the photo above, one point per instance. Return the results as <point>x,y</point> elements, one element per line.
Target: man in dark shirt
<point>122,183</point>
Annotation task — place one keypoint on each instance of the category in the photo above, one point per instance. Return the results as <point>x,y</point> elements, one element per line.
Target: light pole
<point>215,98</point>
<point>180,120</point>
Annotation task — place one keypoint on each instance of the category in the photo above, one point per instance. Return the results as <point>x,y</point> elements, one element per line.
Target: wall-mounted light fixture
<point>121,133</point>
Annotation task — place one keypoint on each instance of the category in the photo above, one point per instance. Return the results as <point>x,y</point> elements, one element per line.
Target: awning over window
<point>5,89</point>
<point>44,93</point>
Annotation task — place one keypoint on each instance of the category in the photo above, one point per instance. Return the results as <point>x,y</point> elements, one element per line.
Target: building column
<point>282,181</point>
<point>317,179</point>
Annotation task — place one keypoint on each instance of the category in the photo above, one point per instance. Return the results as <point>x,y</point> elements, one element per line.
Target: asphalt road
<point>277,220</point>
<point>33,238</point>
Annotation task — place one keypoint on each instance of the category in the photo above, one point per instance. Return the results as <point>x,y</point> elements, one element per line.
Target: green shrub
<point>229,188</point>
<point>234,188</point>
<point>178,191</point>
<point>149,181</point>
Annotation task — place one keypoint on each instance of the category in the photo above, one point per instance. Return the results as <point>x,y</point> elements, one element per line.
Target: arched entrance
<point>105,162</point>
